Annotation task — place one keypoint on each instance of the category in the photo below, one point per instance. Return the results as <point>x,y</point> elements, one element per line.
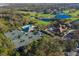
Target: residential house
<point>20,38</point>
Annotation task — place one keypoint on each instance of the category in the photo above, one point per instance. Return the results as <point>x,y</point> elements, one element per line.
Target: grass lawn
<point>39,22</point>
<point>73,14</point>
<point>42,22</point>
<point>66,11</point>
<point>39,15</point>
<point>36,14</point>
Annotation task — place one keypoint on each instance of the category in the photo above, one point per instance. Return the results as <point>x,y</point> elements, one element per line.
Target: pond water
<point>62,15</point>
<point>46,19</point>
<point>58,16</point>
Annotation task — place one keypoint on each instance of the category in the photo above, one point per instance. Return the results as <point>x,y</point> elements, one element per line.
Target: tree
<point>46,46</point>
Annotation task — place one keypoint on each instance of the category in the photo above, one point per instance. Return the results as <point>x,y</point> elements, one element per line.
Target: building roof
<point>72,35</point>
<point>19,38</point>
<point>75,22</point>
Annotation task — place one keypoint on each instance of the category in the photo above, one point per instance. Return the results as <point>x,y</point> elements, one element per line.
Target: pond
<point>62,15</point>
<point>46,19</point>
<point>58,16</point>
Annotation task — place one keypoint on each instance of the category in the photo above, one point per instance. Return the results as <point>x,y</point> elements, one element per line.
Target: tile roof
<point>19,38</point>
